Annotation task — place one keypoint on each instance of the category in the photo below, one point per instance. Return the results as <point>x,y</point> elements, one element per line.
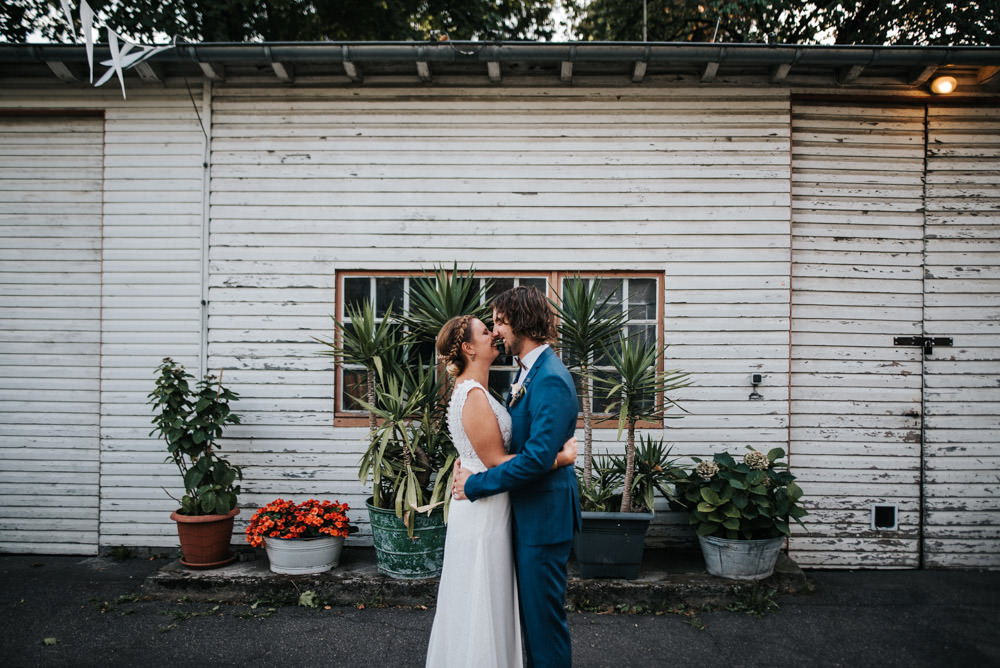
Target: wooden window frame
<point>554,279</point>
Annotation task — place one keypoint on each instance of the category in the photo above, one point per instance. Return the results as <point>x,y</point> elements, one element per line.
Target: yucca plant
<point>439,297</point>
<point>409,454</point>
<point>409,457</point>
<point>638,391</point>
<point>366,342</point>
<point>655,471</point>
<point>587,323</point>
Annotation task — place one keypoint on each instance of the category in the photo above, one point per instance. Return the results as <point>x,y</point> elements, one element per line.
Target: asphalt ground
<point>76,611</point>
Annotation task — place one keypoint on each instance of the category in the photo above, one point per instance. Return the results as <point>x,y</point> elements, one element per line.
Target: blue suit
<point>545,504</point>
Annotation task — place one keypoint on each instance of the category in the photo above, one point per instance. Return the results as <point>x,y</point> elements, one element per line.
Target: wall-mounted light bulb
<point>943,85</point>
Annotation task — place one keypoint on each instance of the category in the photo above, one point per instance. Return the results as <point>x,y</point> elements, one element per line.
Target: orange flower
<point>309,519</point>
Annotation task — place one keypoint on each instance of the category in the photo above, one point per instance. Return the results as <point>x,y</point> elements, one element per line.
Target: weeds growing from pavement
<point>755,600</point>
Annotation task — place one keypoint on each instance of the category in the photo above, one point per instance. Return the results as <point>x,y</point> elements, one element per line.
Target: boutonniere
<point>517,391</point>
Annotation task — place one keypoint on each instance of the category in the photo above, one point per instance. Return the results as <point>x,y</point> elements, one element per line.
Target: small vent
<point>884,517</point>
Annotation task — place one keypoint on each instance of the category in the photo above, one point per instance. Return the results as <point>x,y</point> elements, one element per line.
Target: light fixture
<point>943,85</point>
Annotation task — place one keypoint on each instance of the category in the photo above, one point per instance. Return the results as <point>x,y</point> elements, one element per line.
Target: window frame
<point>553,280</point>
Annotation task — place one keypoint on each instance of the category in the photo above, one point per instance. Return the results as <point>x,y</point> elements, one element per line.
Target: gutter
<point>457,52</point>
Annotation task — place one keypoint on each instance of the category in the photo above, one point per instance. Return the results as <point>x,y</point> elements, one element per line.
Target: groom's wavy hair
<point>528,313</point>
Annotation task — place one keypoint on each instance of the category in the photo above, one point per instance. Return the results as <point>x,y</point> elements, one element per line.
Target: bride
<point>477,622</point>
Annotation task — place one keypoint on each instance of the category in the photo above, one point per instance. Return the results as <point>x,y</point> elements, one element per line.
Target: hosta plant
<point>749,498</point>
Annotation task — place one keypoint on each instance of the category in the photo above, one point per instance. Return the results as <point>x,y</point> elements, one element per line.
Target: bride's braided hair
<point>453,334</point>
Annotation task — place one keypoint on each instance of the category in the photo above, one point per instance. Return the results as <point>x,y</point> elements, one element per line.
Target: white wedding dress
<point>477,624</point>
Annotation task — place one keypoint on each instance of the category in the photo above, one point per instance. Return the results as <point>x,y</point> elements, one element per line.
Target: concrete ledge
<point>667,578</point>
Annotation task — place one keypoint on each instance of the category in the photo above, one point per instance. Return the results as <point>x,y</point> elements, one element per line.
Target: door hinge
<point>926,342</point>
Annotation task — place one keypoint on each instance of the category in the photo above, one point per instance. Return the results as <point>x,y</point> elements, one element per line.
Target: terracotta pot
<point>205,539</point>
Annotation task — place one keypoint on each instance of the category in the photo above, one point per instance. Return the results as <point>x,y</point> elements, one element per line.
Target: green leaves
<point>409,454</point>
<point>190,420</point>
<point>742,503</point>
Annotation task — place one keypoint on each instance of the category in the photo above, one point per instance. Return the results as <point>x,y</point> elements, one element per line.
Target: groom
<point>544,501</point>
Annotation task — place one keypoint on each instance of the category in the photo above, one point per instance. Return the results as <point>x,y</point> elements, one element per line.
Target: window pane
<point>500,380</point>
<point>645,334</point>
<point>611,287</point>
<point>601,387</point>
<point>388,290</point>
<point>536,282</point>
<point>354,386</point>
<point>357,291</point>
<point>499,285</point>
<point>642,298</point>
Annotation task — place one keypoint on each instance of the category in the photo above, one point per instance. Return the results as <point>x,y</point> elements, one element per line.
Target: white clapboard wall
<point>153,212</point>
<point>878,253</point>
<point>962,301</point>
<point>101,278</point>
<point>797,250</point>
<point>50,264</point>
<point>857,198</point>
<point>691,183</point>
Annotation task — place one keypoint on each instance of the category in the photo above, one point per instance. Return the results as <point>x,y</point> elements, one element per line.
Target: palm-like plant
<point>409,454</point>
<point>586,324</point>
<point>366,342</point>
<point>436,299</point>
<point>408,447</point>
<point>638,392</point>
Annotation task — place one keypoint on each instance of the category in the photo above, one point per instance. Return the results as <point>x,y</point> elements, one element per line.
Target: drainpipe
<point>206,126</point>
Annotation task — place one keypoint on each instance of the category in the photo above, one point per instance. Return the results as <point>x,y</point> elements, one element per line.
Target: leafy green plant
<point>437,298</point>
<point>367,342</point>
<point>409,455</point>
<point>191,420</point>
<point>409,458</point>
<point>655,471</point>
<point>749,499</point>
<point>638,392</point>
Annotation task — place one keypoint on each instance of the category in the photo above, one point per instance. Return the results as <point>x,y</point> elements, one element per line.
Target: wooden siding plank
<point>856,282</point>
<point>963,255</point>
<point>50,196</point>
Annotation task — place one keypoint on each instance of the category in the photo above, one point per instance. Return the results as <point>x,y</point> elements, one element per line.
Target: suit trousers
<point>541,585</point>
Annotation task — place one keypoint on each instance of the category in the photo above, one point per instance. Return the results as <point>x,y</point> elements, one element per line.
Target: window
<point>637,294</point>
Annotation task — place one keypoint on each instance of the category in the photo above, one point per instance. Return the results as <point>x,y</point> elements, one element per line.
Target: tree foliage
<point>150,21</point>
<point>923,22</point>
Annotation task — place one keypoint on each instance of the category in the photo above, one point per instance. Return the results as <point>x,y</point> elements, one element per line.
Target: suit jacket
<point>545,503</point>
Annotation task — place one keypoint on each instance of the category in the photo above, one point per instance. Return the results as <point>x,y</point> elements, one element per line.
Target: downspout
<point>206,127</point>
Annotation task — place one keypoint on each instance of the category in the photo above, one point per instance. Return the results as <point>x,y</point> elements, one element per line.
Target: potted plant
<point>611,543</point>
<point>741,510</point>
<point>409,454</point>
<point>191,419</point>
<point>301,538</point>
<point>638,392</point>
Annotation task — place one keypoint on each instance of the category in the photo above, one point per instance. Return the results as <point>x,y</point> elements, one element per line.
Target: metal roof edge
<point>453,51</point>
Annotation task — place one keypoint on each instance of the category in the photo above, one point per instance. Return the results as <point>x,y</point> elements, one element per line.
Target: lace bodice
<point>470,460</point>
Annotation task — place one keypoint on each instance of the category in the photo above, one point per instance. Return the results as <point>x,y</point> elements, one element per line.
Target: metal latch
<point>926,342</point>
